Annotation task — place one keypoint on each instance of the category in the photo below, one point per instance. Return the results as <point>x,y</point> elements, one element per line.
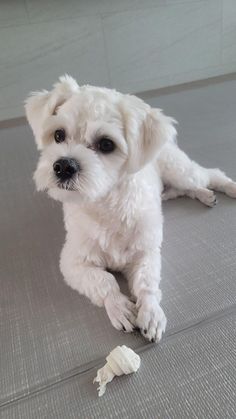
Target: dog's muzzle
<point>65,168</point>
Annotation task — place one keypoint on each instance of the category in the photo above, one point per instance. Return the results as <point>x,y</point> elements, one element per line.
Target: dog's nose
<point>65,168</point>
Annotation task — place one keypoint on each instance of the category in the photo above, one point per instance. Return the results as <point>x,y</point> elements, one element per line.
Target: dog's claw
<point>121,312</point>
<point>151,319</point>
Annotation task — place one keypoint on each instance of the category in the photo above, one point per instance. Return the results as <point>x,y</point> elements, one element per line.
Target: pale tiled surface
<point>132,45</point>
<point>47,10</point>
<point>36,54</point>
<point>13,13</point>
<point>40,11</point>
<point>171,44</point>
<point>229,31</point>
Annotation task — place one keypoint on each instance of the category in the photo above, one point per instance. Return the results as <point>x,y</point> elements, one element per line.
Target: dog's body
<point>109,169</point>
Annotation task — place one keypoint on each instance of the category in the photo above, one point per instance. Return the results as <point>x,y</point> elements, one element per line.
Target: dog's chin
<point>66,194</point>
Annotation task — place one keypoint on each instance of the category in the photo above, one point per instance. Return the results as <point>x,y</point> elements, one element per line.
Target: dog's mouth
<point>66,186</point>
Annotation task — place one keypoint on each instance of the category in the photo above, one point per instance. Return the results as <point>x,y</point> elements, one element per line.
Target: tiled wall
<point>132,45</point>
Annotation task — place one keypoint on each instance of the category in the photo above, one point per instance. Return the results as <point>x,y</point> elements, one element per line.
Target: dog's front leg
<point>144,278</point>
<point>100,287</point>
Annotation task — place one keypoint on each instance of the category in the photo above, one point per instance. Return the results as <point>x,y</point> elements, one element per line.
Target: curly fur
<point>112,209</point>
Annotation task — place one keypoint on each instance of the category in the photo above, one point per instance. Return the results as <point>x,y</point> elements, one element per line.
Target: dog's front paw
<point>121,311</point>
<point>151,318</point>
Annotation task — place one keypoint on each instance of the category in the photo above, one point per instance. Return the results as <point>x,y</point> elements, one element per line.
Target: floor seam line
<point>170,335</point>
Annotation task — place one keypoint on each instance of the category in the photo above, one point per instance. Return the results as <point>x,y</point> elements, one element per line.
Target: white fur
<point>113,215</point>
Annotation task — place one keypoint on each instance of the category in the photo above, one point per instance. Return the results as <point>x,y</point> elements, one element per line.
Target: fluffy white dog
<point>108,157</point>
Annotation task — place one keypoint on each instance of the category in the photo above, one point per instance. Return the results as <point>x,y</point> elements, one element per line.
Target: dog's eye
<point>105,145</point>
<point>60,135</point>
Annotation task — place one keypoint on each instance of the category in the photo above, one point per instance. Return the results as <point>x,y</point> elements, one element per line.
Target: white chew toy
<point>121,360</point>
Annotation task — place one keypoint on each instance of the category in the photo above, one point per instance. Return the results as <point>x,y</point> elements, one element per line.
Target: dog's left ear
<point>41,105</point>
<point>146,130</point>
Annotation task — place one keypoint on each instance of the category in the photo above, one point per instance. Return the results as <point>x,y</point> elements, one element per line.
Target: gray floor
<point>53,340</point>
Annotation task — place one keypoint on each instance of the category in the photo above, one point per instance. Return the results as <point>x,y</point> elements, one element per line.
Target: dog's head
<point>92,138</point>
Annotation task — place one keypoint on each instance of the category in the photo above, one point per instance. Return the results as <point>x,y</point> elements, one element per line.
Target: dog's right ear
<point>41,105</point>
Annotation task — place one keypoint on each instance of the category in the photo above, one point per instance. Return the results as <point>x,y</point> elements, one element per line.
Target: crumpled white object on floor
<point>121,360</point>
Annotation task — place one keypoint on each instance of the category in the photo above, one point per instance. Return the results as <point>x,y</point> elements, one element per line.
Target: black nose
<point>65,168</point>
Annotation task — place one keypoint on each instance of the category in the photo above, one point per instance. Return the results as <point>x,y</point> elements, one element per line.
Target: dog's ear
<point>41,105</point>
<point>147,130</point>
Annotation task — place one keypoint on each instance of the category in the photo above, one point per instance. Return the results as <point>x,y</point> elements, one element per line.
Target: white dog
<point>107,157</point>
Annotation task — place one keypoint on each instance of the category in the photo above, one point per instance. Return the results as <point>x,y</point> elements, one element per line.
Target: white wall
<point>132,45</point>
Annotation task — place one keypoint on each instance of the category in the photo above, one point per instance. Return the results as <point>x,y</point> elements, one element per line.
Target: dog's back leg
<point>183,176</point>
<point>206,196</point>
<point>222,183</point>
